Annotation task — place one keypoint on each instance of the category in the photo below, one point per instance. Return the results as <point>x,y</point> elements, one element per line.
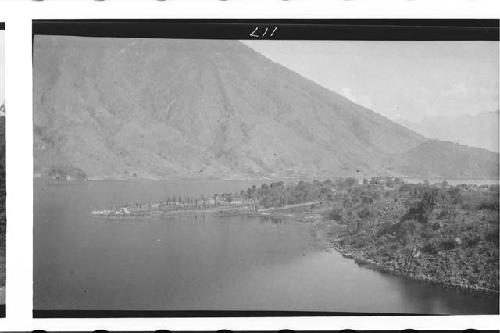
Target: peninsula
<point>439,233</point>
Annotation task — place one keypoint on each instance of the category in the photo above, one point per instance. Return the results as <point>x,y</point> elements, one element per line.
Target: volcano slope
<point>205,109</point>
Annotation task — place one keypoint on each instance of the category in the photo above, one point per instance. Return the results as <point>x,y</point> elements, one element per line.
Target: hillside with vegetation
<point>65,173</point>
<point>432,232</point>
<point>210,109</point>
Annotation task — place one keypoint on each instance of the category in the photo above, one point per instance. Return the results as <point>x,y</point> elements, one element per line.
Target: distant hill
<point>122,108</point>
<point>438,159</point>
<point>479,130</point>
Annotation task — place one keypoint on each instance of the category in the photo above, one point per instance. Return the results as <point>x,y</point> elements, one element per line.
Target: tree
<point>335,214</point>
<point>364,213</point>
<point>351,181</point>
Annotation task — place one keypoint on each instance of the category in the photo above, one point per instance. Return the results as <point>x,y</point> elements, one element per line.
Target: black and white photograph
<point>183,170</point>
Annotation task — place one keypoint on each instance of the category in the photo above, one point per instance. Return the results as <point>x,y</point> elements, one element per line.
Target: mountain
<point>479,130</point>
<point>438,159</point>
<point>199,109</point>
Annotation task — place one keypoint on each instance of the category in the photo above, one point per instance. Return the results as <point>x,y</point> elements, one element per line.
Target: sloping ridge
<point>198,109</point>
<point>443,159</point>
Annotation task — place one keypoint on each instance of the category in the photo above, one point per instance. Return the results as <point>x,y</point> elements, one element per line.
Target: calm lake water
<point>230,263</point>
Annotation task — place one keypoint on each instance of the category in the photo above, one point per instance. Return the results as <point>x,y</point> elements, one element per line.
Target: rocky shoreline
<point>361,259</point>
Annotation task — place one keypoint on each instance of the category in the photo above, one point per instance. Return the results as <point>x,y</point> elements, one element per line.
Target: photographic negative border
<point>287,29</point>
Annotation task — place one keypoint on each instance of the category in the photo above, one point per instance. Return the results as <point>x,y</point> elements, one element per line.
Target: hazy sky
<point>408,80</point>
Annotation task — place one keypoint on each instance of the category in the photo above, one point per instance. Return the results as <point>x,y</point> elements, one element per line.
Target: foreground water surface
<point>204,263</point>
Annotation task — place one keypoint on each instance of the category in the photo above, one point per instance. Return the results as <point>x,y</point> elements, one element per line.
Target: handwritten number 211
<point>259,34</point>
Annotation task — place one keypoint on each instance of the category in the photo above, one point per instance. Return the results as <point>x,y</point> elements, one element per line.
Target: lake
<point>204,263</point>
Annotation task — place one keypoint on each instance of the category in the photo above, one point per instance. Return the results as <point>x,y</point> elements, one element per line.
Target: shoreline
<point>242,210</point>
<point>187,180</point>
<point>305,216</point>
<point>361,260</point>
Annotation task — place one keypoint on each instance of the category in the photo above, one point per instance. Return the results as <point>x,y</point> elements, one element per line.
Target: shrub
<point>447,244</point>
<point>335,214</point>
<point>364,213</point>
<point>418,212</point>
<point>455,196</point>
<point>360,242</point>
<point>62,172</point>
<point>472,241</point>
<point>430,248</point>
<point>442,214</point>
<point>492,237</point>
<point>489,204</point>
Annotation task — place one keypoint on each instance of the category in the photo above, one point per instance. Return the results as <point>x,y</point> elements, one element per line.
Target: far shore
<point>407,179</point>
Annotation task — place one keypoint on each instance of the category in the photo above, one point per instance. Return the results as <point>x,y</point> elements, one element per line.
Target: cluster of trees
<point>434,215</point>
<point>432,231</point>
<point>66,173</point>
<point>201,201</point>
<point>279,194</point>
<point>419,201</point>
<point>425,200</point>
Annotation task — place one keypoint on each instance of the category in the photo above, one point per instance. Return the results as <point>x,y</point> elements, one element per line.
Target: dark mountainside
<point>176,109</point>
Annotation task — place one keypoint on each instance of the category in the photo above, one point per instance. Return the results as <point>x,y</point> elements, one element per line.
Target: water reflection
<point>272,219</point>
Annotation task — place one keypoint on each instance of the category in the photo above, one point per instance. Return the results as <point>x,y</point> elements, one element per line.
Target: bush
<point>447,245</point>
<point>65,172</point>
<point>442,214</point>
<point>492,237</point>
<point>360,242</point>
<point>480,200</point>
<point>489,204</point>
<point>364,213</point>
<point>335,214</point>
<point>472,241</point>
<point>430,248</point>
<point>455,196</point>
<point>417,212</point>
